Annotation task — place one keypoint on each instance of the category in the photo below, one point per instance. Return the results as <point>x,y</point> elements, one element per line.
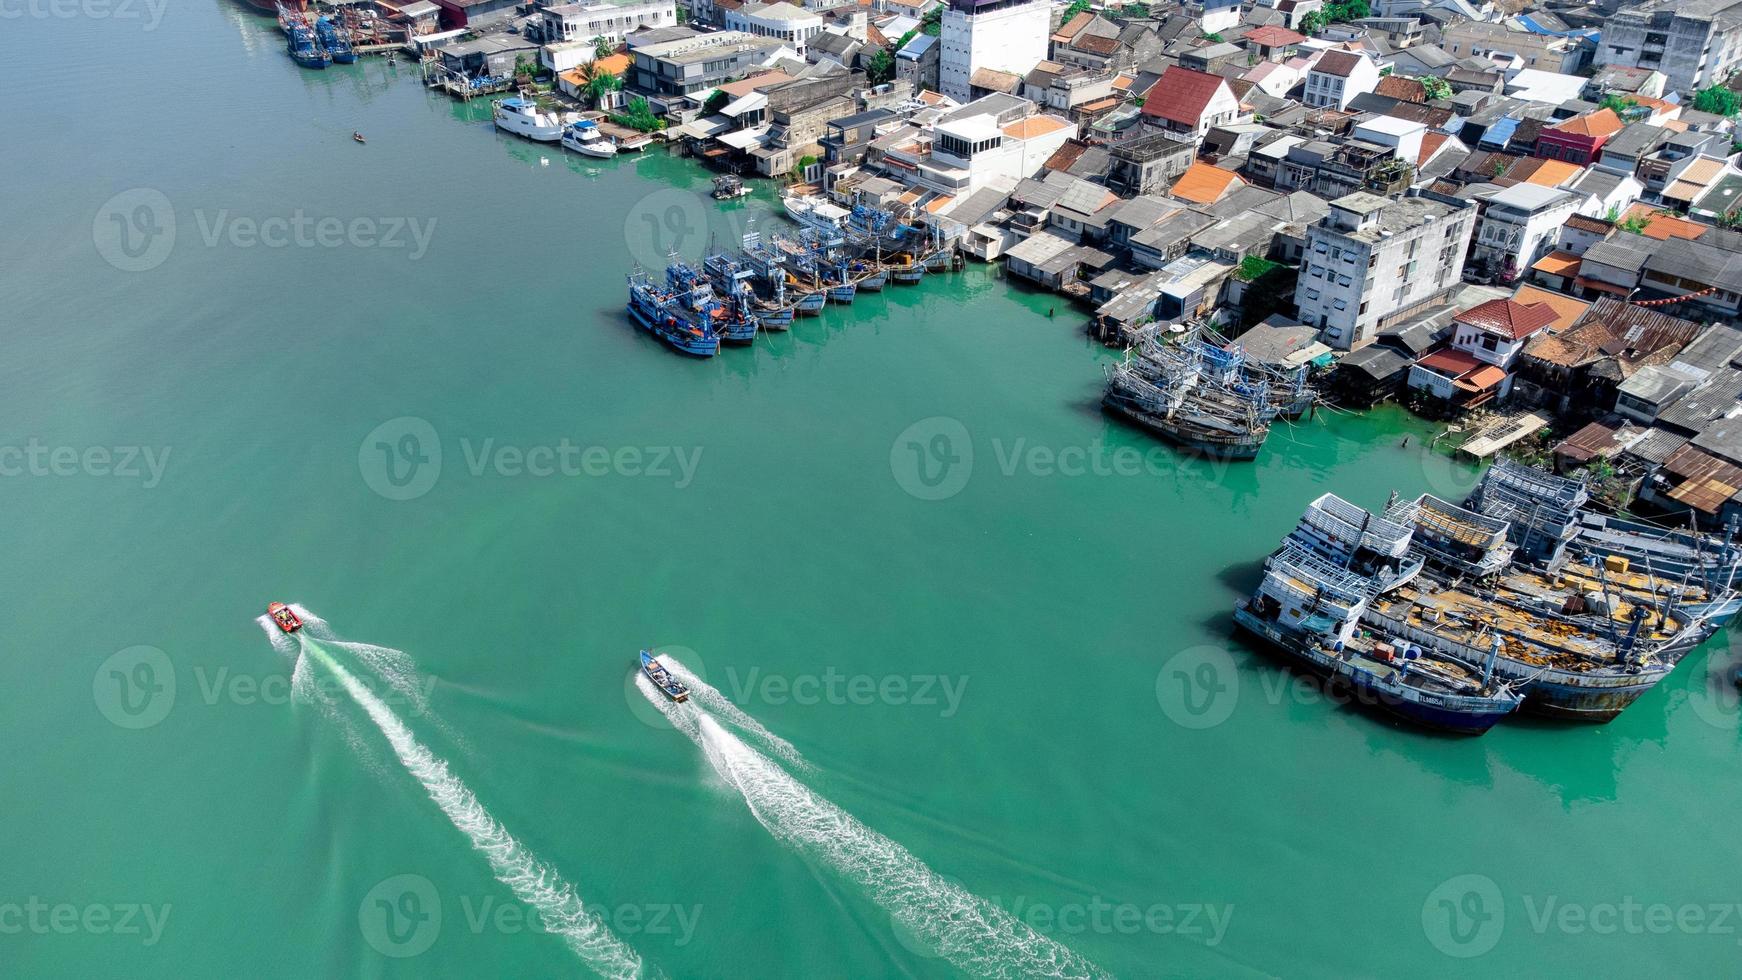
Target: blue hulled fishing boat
<point>305,46</point>
<point>697,294</point>
<point>668,685</point>
<point>336,40</point>
<point>661,313</point>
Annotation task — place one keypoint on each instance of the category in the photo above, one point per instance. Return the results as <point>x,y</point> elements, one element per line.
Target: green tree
<point>933,22</point>
<point>1076,7</point>
<point>1212,37</point>
<point>1435,87</point>
<point>880,67</point>
<point>601,84</point>
<point>602,47</point>
<point>1717,99</point>
<point>638,115</point>
<point>1136,11</point>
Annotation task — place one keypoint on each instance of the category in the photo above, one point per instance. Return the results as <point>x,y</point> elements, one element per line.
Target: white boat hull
<point>596,149</point>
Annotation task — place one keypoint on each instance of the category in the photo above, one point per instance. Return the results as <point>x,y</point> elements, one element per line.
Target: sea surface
<point>979,708</point>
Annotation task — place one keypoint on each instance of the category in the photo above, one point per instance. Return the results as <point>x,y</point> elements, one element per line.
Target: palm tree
<point>602,47</point>
<point>599,84</point>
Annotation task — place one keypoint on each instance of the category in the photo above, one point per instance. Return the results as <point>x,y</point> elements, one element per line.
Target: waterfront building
<point>1372,261</point>
<point>1003,35</point>
<point>696,64</point>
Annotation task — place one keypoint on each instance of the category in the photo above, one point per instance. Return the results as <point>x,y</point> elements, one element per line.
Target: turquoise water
<point>1058,722</point>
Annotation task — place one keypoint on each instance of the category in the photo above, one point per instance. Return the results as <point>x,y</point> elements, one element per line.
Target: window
<point>1490,342</point>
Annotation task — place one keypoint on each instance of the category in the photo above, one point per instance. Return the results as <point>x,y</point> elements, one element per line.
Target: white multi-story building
<point>1004,35</point>
<point>1372,261</point>
<point>1338,77</point>
<point>1520,225</point>
<point>792,24</point>
<point>571,28</point>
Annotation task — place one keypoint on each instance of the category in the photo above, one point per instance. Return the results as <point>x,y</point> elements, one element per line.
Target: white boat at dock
<point>815,212</point>
<point>585,138</point>
<point>523,117</point>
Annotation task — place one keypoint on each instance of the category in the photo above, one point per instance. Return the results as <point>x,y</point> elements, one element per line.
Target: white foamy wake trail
<point>532,881</point>
<point>971,933</point>
<point>719,704</point>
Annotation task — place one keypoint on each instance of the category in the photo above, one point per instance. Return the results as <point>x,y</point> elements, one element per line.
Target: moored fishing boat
<point>1565,669</point>
<point>337,41</point>
<point>1310,609</point>
<point>814,213</point>
<point>904,271</point>
<point>1204,419</point>
<point>304,46</point>
<point>660,313</point>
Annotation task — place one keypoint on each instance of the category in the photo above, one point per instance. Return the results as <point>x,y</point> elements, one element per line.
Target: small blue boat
<point>660,313</point>
<point>668,685</point>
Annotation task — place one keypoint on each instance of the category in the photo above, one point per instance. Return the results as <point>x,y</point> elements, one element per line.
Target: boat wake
<point>533,882</point>
<point>971,933</point>
<point>722,707</point>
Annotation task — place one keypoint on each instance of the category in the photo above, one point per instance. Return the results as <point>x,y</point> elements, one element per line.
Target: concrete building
<point>1003,35</point>
<point>1695,43</point>
<point>613,20</point>
<point>782,21</point>
<point>695,64</point>
<point>1371,262</point>
<point>1499,43</point>
<point>916,64</point>
<point>1521,224</point>
<point>1338,77</point>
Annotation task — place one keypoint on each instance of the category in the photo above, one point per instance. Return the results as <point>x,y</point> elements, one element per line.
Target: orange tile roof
<point>1603,122</point>
<point>1024,129</point>
<point>1204,184</point>
<point>1557,263</point>
<point>1553,173</point>
<point>615,64</point>
<point>1664,226</point>
<point>1123,83</point>
<point>1567,309</point>
<point>938,203</point>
